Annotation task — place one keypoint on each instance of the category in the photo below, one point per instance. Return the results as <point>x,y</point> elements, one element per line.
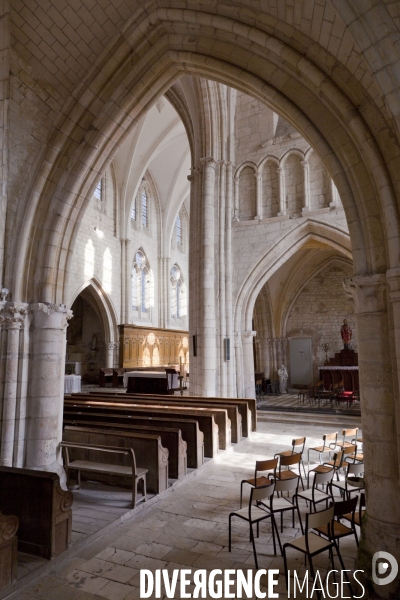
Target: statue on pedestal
<point>283,377</point>
<point>346,333</point>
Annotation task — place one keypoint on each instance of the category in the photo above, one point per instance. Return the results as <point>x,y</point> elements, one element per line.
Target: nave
<point>187,526</point>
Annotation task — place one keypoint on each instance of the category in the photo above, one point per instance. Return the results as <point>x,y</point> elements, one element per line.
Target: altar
<point>150,382</point>
<point>343,367</point>
<point>332,375</point>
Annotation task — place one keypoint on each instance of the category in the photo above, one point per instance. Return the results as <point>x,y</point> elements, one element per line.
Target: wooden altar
<point>151,346</point>
<point>343,367</point>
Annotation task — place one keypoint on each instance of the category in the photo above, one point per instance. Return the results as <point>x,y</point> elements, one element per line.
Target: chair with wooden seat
<point>348,433</point>
<point>284,472</point>
<point>254,514</point>
<point>339,460</point>
<point>354,470</point>
<point>297,448</point>
<point>262,466</point>
<point>329,444</point>
<point>312,544</point>
<point>314,495</point>
<point>339,530</point>
<point>356,518</point>
<point>281,505</point>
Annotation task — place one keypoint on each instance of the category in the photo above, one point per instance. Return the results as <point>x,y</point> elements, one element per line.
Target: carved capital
<point>12,315</point>
<point>258,176</point>
<point>50,316</point>
<point>368,292</point>
<point>279,170</point>
<point>208,161</point>
<point>304,164</point>
<point>248,335</point>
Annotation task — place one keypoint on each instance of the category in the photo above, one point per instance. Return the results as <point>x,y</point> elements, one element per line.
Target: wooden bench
<point>8,549</point>
<point>42,507</point>
<point>149,452</point>
<point>220,414</point>
<point>190,431</point>
<point>118,377</point>
<point>105,376</point>
<point>206,420</point>
<point>138,476</point>
<point>232,409</point>
<point>170,438</point>
<point>247,406</point>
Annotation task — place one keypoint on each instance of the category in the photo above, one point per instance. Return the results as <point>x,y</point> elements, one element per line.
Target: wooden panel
<point>41,506</point>
<point>150,346</point>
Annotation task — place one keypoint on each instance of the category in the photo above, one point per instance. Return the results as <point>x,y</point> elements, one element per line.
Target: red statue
<point>346,333</point>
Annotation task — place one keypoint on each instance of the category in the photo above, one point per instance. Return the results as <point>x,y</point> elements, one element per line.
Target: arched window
<point>178,229</point>
<point>141,284</point>
<point>98,192</point>
<point>144,208</point>
<point>178,296</point>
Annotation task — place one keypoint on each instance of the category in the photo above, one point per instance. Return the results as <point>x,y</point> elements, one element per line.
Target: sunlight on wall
<point>156,356</point>
<point>107,271</point>
<point>89,260</point>
<point>146,357</point>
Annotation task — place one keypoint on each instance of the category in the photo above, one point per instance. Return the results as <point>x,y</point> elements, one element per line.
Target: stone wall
<point>318,312</point>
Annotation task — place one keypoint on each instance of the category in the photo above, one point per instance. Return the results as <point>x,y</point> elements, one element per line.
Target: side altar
<point>344,367</point>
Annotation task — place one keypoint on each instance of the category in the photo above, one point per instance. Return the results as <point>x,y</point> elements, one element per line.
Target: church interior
<point>199,295</point>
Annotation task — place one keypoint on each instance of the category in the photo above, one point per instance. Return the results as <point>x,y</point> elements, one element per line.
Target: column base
<point>55,467</point>
<point>281,213</point>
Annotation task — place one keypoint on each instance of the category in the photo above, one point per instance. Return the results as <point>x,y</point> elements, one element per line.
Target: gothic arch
<point>277,256</point>
<point>104,306</point>
<point>300,91</point>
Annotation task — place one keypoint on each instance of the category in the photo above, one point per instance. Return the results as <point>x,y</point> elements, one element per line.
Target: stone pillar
<point>13,319</point>
<point>382,525</point>
<point>126,275</point>
<point>207,325</point>
<point>282,204</point>
<point>195,292</point>
<point>235,218</point>
<point>393,279</point>
<point>239,365</point>
<point>334,197</point>
<point>125,278</point>
<point>231,387</point>
<point>110,354</point>
<point>248,364</point>
<point>258,177</point>
<point>222,281</point>
<point>46,389</point>
<point>306,186</point>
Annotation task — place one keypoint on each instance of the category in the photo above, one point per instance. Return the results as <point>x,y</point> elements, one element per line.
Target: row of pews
<point>142,441</point>
<point>168,435</point>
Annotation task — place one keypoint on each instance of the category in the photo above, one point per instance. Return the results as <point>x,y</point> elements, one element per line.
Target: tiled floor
<point>185,528</point>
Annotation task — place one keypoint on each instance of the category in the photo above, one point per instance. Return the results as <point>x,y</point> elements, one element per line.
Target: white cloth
<point>72,384</point>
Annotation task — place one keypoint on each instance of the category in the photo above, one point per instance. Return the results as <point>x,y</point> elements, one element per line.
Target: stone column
<point>306,186</point>
<point>126,275</point>
<point>248,364</point>
<point>195,292</point>
<point>393,279</point>
<point>124,279</point>
<point>282,205</point>
<point>207,325</point>
<point>222,280</point>
<point>46,389</point>
<point>231,387</point>
<point>13,319</point>
<point>382,525</point>
<point>239,365</point>
<point>110,354</point>
<point>258,177</point>
<point>235,218</point>
<point>334,197</point>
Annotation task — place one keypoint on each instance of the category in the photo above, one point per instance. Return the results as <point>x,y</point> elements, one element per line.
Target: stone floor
<point>186,527</point>
<point>290,402</point>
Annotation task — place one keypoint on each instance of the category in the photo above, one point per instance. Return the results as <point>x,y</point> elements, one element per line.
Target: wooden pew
<point>105,376</point>
<point>149,452</point>
<point>205,419</point>
<point>247,406</point>
<point>232,409</point>
<point>42,507</point>
<point>8,549</point>
<point>170,438</point>
<point>220,414</point>
<point>190,431</point>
